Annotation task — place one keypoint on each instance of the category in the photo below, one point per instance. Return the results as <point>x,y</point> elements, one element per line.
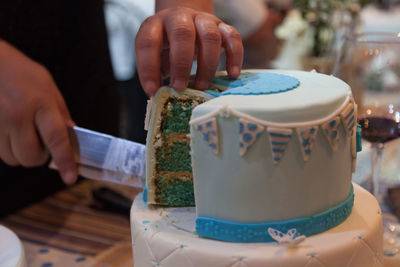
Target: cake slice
<point>169,179</point>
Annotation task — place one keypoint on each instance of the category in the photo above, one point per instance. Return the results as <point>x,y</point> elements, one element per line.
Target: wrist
<point>204,5</point>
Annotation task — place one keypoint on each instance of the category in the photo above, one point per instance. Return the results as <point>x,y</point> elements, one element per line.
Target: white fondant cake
<point>277,158</point>
<point>272,157</point>
<point>164,237</point>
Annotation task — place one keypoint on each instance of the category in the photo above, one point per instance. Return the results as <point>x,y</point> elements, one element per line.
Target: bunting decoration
<point>248,132</point>
<point>348,118</point>
<point>307,138</point>
<point>354,144</point>
<point>330,130</point>
<point>280,134</point>
<point>279,139</point>
<point>209,132</point>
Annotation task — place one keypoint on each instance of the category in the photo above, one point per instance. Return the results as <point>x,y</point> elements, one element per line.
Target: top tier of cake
<point>279,154</point>
<point>315,97</point>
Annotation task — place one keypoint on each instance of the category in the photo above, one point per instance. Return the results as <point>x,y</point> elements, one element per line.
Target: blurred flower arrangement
<point>314,33</point>
<point>328,20</point>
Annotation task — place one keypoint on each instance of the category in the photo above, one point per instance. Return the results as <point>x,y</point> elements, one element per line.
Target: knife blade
<point>107,158</point>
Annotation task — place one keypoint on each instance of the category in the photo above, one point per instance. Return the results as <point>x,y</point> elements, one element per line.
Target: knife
<point>107,158</point>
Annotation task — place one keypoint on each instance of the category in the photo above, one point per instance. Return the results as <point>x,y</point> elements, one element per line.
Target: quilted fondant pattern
<point>157,241</point>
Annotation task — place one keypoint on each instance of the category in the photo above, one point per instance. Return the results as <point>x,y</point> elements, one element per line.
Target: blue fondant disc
<point>257,83</point>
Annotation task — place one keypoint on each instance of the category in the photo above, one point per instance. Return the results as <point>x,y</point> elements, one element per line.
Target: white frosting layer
<point>251,188</point>
<point>317,96</point>
<point>163,237</point>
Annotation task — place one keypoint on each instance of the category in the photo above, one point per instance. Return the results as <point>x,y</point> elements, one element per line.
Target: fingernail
<point>223,27</point>
<point>179,84</point>
<point>69,177</point>
<point>235,71</point>
<point>150,87</point>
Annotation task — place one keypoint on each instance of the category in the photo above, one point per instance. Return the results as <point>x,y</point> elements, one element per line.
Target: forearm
<point>200,5</point>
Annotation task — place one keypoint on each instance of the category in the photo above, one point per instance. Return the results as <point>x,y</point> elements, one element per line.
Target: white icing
<point>245,116</point>
<point>290,239</point>
<point>157,239</point>
<point>148,113</point>
<point>294,106</point>
<point>328,130</point>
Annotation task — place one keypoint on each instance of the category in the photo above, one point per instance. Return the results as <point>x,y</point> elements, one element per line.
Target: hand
<point>33,115</point>
<point>168,41</point>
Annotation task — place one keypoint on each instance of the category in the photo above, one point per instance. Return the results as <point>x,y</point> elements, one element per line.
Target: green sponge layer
<point>175,157</point>
<point>177,116</point>
<point>174,192</point>
<point>173,178</point>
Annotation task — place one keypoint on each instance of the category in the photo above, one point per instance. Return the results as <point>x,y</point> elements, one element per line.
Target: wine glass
<point>379,124</point>
<point>370,63</point>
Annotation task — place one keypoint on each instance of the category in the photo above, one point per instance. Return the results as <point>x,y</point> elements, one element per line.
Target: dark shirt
<point>69,38</point>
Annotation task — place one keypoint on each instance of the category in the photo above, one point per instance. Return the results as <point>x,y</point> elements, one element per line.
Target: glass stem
<point>377,151</point>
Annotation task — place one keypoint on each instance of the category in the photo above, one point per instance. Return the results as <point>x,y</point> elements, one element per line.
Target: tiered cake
<point>271,157</point>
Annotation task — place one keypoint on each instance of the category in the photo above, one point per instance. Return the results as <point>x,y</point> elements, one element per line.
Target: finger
<point>233,45</point>
<point>209,49</point>
<point>53,131</point>
<point>5,151</point>
<point>181,36</point>
<point>26,146</point>
<point>148,45</point>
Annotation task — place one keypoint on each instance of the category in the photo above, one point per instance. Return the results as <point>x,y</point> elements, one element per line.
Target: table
<point>65,229</point>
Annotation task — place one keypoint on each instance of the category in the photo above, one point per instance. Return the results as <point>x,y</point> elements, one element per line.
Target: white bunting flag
<point>248,132</point>
<point>348,118</point>
<point>209,132</point>
<point>279,139</point>
<point>331,132</point>
<point>307,138</point>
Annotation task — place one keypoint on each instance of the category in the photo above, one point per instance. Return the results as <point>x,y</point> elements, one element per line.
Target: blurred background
<point>285,34</point>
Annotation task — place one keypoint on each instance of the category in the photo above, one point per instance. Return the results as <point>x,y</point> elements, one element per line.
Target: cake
<point>272,157</point>
<point>285,150</point>
<point>165,237</point>
<point>169,179</point>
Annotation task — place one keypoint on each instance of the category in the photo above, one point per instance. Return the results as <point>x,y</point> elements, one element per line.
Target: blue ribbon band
<point>258,232</point>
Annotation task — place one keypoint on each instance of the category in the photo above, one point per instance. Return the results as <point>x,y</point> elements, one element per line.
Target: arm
<point>180,31</point>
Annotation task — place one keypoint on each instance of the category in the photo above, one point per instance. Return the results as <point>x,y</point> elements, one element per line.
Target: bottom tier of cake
<point>165,237</point>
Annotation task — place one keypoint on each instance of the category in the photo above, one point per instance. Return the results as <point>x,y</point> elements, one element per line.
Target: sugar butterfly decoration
<point>290,239</point>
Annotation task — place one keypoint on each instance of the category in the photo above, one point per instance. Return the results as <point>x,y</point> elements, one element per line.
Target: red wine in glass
<point>379,129</point>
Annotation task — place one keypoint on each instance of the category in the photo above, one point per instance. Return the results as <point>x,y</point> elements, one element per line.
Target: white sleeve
<point>245,15</point>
